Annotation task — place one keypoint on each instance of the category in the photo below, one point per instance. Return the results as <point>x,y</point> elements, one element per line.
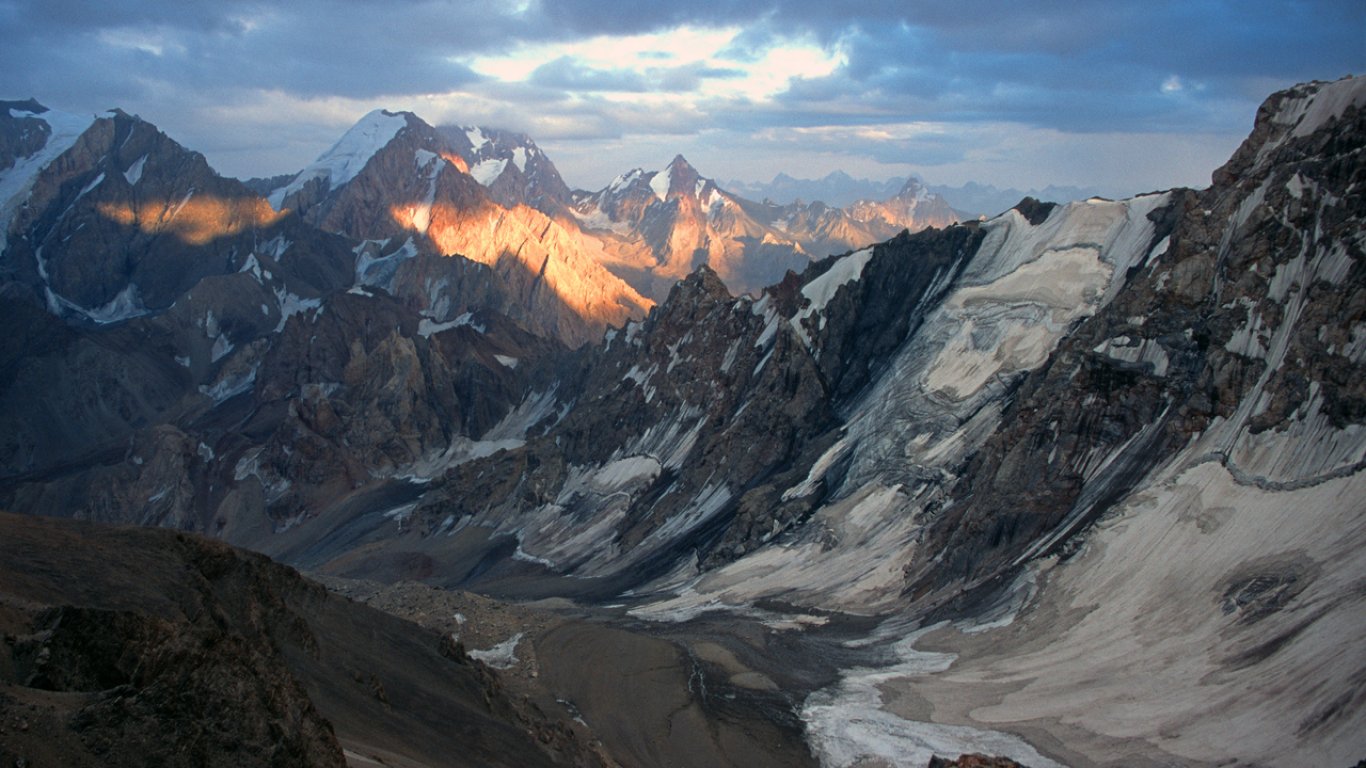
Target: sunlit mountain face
<point>195,221</point>
<point>661,475</point>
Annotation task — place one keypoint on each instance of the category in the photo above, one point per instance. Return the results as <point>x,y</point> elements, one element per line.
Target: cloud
<point>264,87</point>
<point>570,74</point>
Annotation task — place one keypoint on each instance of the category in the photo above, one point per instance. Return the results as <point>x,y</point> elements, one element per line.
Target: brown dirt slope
<point>125,646</point>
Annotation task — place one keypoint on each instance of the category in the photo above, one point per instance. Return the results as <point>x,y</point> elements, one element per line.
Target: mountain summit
<point>658,226</point>
<point>394,178</point>
<point>513,169</point>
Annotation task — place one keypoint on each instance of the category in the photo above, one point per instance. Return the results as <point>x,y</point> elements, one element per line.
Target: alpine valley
<point>420,457</point>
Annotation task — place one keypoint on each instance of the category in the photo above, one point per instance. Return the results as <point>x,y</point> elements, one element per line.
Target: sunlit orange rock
<point>195,219</point>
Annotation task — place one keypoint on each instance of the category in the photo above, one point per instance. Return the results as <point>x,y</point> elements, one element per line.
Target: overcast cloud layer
<point>1124,96</point>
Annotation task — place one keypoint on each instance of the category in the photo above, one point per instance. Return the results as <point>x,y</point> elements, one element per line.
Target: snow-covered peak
<point>492,151</point>
<point>913,190</point>
<point>678,177</point>
<point>345,160</point>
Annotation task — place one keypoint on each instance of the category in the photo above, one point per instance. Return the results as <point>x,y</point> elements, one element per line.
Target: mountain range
<point>734,482</point>
<point>840,189</point>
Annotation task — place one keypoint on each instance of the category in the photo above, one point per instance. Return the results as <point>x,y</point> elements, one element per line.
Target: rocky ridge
<point>174,650</point>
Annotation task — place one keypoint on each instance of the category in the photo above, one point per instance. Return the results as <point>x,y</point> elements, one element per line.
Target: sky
<point>1120,96</point>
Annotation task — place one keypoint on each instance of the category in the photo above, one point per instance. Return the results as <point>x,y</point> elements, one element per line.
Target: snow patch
<point>500,656</point>
<point>660,183</point>
<point>134,172</point>
<point>253,265</point>
<point>421,213</point>
<point>400,514</point>
<point>291,304</point>
<point>1312,112</point>
<point>125,306</point>
<point>847,726</point>
<point>732,351</point>
<point>1135,351</point>
<point>814,475</point>
<point>89,187</point>
<point>1013,323</point>
<point>596,218</point>
<point>378,271</point>
<point>487,171</point>
<point>766,308</point>
<point>624,180</point>
<point>847,557</point>
<point>222,346</point>
<point>627,471</point>
<point>476,137</point>
<point>508,434</point>
<point>847,270</point>
<point>820,291</point>
<point>426,327</point>
<point>230,386</point>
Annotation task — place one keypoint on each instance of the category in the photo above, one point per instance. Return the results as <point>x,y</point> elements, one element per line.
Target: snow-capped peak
<point>345,160</point>
<point>493,150</point>
<point>913,190</point>
<point>679,176</point>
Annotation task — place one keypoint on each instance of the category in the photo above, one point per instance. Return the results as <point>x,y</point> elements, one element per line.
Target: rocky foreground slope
<point>141,647</point>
